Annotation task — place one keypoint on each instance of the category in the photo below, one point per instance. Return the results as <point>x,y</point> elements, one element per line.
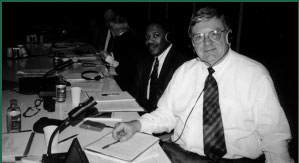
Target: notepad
<point>126,151</point>
<point>86,85</point>
<point>123,106</point>
<point>16,145</point>
<point>115,101</point>
<point>31,72</point>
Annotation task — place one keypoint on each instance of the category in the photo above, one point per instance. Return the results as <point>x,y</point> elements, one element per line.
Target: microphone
<point>77,111</point>
<point>61,66</point>
<point>73,115</point>
<point>66,63</point>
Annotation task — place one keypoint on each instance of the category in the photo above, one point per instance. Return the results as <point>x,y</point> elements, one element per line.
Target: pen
<point>110,94</point>
<point>67,138</point>
<point>108,145</point>
<point>121,133</point>
<point>108,126</point>
<point>17,131</point>
<point>25,131</point>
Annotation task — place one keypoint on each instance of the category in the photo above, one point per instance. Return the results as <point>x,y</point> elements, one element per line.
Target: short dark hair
<point>121,21</point>
<point>163,23</point>
<point>204,14</point>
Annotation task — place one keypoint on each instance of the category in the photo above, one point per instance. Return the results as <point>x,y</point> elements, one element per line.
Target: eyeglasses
<point>32,111</point>
<point>214,35</point>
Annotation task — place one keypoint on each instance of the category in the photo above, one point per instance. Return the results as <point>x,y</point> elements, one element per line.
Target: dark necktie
<point>153,87</point>
<point>214,142</point>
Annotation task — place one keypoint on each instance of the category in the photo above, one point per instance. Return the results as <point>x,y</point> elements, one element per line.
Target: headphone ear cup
<point>229,38</point>
<point>168,37</point>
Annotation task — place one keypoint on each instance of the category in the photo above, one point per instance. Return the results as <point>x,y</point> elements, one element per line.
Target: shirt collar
<point>220,66</point>
<point>162,56</point>
<point>121,33</point>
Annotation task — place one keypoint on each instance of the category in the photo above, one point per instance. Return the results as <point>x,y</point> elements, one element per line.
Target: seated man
<point>156,69</point>
<point>222,106</point>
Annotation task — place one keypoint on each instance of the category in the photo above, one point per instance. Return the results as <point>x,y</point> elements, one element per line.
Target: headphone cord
<point>189,116</point>
<point>225,53</point>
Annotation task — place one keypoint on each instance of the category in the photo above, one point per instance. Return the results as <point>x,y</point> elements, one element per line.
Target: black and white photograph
<point>161,82</point>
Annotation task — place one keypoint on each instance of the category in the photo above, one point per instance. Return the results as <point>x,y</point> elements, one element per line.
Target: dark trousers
<point>177,154</point>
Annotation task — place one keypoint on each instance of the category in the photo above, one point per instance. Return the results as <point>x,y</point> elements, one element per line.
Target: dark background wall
<point>266,32</point>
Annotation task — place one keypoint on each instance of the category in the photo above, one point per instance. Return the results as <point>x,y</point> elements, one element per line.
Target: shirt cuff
<point>146,124</point>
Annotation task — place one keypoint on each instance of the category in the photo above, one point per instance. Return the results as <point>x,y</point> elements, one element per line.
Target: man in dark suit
<point>147,88</point>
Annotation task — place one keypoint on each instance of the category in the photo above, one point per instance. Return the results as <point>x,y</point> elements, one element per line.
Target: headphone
<point>167,37</point>
<point>92,75</point>
<point>229,37</point>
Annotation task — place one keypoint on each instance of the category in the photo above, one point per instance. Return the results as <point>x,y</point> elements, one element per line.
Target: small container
<point>9,53</point>
<point>16,52</point>
<point>60,93</point>
<point>60,90</point>
<point>28,39</point>
<point>13,117</point>
<point>23,52</point>
<point>41,39</point>
<point>33,39</point>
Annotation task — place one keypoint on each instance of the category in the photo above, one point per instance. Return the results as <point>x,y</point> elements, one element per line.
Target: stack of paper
<point>115,101</point>
<point>31,72</point>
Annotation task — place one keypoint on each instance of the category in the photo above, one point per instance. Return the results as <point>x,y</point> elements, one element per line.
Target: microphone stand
<point>49,81</point>
<point>57,68</point>
<point>72,115</point>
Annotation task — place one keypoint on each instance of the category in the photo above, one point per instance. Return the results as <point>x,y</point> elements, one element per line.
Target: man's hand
<point>103,54</point>
<point>109,59</point>
<point>124,131</point>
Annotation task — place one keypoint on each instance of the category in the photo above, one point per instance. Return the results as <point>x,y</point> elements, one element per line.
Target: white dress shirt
<point>253,120</point>
<point>161,59</point>
<point>107,39</point>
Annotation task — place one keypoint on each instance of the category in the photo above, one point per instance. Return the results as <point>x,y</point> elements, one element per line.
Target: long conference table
<point>72,74</point>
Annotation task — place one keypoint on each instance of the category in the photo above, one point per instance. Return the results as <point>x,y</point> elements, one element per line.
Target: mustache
<point>152,45</point>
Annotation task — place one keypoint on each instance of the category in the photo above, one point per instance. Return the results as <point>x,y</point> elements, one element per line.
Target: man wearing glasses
<point>222,105</point>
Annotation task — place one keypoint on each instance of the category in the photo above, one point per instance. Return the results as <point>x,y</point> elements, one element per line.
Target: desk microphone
<point>61,66</point>
<point>47,84</point>
<point>66,63</point>
<point>73,115</point>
